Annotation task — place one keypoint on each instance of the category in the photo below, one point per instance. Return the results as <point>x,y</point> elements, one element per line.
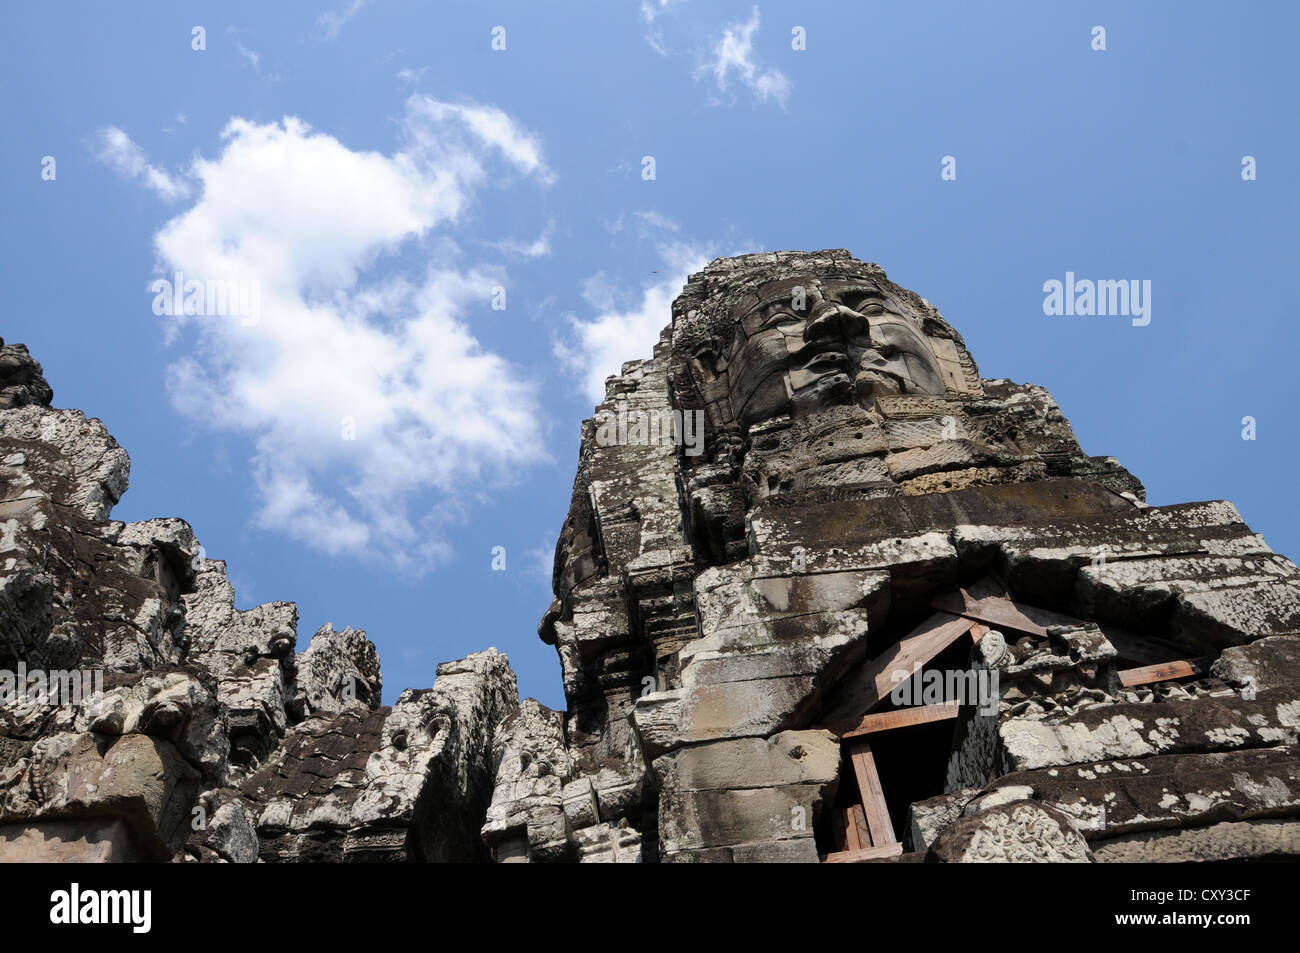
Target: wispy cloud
<point>539,247</point>
<point>733,56</point>
<point>119,151</point>
<point>376,414</point>
<point>654,220</point>
<point>331,22</point>
<point>409,76</point>
<point>540,560</point>
<point>492,127</point>
<point>627,324</point>
<point>249,56</point>
<point>651,10</point>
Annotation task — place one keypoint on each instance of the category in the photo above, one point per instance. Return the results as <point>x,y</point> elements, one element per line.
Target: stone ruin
<point>892,612</point>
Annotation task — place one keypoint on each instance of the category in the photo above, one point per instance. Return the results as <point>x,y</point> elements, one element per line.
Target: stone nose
<point>831,320</point>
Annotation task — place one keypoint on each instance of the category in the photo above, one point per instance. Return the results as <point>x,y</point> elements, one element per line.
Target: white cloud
<point>654,220</point>
<point>491,126</point>
<point>250,55</point>
<point>540,560</point>
<point>409,76</point>
<point>650,11</point>
<point>347,335</point>
<point>116,149</point>
<point>332,21</point>
<point>734,53</point>
<point>620,333</point>
<point>539,247</point>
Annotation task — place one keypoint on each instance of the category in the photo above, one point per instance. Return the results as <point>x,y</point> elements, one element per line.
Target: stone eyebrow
<point>861,292</point>
<point>777,299</point>
<point>866,291</point>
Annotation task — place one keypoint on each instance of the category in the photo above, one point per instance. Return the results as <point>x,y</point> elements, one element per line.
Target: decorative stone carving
<point>1017,832</point>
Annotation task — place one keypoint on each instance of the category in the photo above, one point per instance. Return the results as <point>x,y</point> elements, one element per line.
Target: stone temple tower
<point>881,608</point>
<point>823,594</point>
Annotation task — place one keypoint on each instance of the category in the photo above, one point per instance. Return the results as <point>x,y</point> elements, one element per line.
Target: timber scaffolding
<point>861,826</point>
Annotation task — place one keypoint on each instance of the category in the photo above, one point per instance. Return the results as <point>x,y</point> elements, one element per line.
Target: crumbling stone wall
<point>212,740</point>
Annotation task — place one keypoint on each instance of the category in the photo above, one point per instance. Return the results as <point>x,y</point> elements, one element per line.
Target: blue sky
<point>380,169</point>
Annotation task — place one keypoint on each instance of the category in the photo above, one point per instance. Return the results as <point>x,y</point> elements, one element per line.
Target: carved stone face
<point>811,343</point>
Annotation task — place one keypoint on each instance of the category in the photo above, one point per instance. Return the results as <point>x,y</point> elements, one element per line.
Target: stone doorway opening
<point>896,717</point>
<point>919,718</point>
<point>913,757</point>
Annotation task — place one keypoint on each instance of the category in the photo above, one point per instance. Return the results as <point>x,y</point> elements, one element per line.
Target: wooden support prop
<point>873,796</point>
<point>839,836</point>
<point>1164,672</point>
<point>858,818</point>
<point>902,718</point>
<point>867,853</point>
<point>839,830</point>
<point>1000,613</point>
<point>873,682</point>
<point>844,820</point>
<point>996,612</point>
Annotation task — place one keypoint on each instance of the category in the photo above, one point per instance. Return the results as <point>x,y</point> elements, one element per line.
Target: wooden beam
<point>857,819</point>
<point>871,684</point>
<point>873,796</point>
<point>839,830</point>
<point>1002,613</point>
<point>1164,672</point>
<point>865,854</point>
<point>1142,649</point>
<point>848,830</point>
<point>995,611</point>
<point>902,718</point>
